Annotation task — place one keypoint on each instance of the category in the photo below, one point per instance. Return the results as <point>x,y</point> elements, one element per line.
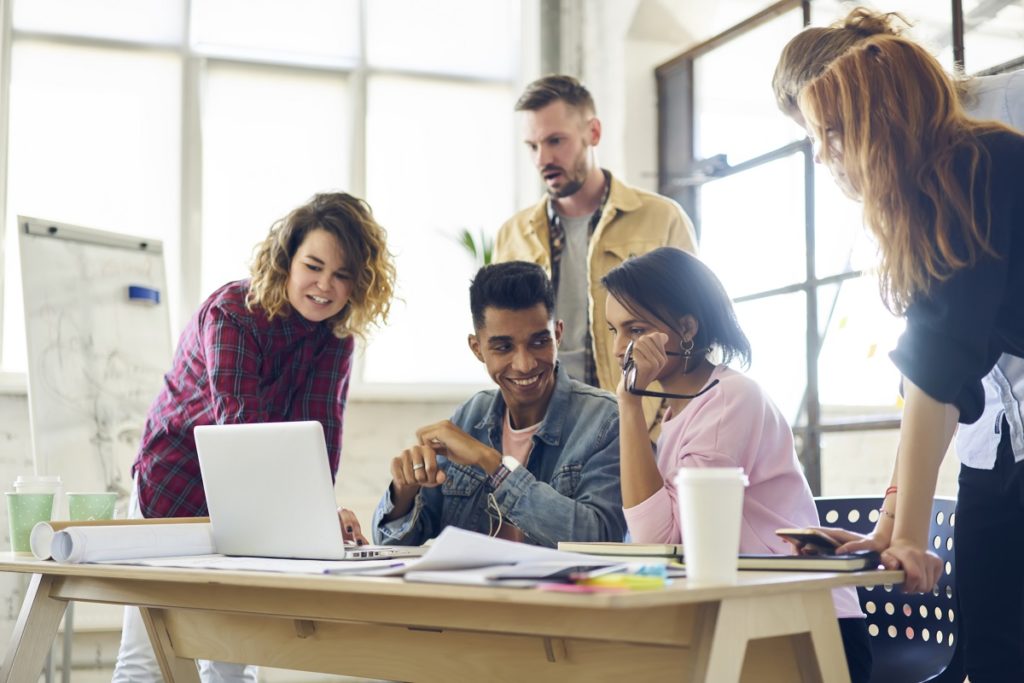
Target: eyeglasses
<point>629,372</point>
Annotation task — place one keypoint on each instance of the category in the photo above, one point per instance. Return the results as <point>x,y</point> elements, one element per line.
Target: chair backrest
<point>914,636</point>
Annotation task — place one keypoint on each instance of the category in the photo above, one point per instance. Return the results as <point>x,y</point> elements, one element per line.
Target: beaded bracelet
<point>886,513</point>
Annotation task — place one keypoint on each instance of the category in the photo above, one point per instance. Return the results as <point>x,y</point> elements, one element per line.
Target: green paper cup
<point>89,506</point>
<point>24,511</point>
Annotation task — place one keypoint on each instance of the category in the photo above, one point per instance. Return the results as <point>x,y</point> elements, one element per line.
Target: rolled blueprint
<point>130,542</point>
<point>42,535</point>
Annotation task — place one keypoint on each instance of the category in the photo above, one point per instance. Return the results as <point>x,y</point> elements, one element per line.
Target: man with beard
<point>588,223</point>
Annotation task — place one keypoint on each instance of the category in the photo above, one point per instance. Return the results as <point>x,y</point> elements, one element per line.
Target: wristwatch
<point>508,466</point>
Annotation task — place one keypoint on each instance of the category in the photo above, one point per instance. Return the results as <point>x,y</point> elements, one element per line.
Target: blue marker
<point>143,295</point>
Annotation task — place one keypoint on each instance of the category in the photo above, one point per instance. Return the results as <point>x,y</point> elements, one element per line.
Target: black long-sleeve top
<point>959,329</point>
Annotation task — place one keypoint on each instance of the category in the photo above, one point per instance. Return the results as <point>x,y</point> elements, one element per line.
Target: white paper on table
<point>98,543</point>
<point>262,564</point>
<point>457,548</point>
<point>520,575</point>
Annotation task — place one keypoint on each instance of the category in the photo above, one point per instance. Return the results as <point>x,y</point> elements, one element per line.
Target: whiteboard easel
<point>96,355</point>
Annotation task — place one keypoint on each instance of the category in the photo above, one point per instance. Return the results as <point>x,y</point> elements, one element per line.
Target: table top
<point>680,591</point>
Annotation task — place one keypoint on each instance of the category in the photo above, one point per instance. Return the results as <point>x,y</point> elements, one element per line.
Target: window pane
<point>842,243</point>
<point>158,21</point>
<point>271,139</point>
<point>931,21</point>
<point>992,34</point>
<point>857,463</point>
<point>308,28</point>
<point>752,227</point>
<point>439,36</point>
<point>736,114</point>
<point>776,329</point>
<point>855,374</point>
<point>94,141</point>
<point>860,463</point>
<point>410,155</point>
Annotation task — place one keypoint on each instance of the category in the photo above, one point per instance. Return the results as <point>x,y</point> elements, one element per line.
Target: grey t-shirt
<point>572,303</point>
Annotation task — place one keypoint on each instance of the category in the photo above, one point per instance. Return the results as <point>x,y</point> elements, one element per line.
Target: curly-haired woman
<point>276,347</point>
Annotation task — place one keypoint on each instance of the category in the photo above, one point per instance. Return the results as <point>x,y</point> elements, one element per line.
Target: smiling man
<point>535,460</point>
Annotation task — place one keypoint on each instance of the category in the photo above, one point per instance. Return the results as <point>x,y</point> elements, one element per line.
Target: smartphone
<point>818,541</point>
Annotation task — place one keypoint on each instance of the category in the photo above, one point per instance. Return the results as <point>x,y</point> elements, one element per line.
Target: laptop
<point>269,492</point>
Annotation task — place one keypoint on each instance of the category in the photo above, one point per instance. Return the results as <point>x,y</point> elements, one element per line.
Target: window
<point>430,176</point>
<point>271,138</point>
<point>993,33</point>
<point>764,247</point>
<point>201,123</point>
<point>95,139</point>
<point>735,110</point>
<point>147,21</point>
<point>320,31</point>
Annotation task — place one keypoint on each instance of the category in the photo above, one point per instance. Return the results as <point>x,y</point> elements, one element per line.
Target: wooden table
<point>771,626</point>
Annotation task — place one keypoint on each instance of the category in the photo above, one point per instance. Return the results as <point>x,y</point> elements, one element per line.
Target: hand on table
<point>922,568</point>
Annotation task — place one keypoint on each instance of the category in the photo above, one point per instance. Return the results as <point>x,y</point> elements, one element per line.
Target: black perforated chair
<point>914,636</point>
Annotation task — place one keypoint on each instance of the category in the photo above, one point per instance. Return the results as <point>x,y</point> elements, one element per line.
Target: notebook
<point>269,493</point>
<point>852,562</point>
<point>672,550</point>
<point>814,563</point>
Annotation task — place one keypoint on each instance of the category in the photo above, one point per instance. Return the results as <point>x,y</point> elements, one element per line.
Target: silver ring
<point>417,466</point>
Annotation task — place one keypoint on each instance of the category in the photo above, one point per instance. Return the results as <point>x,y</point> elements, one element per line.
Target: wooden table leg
<point>174,668</point>
<point>823,650</point>
<point>808,618</point>
<point>34,632</point>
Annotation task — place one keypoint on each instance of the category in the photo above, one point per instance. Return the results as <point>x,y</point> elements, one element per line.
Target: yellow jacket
<point>633,222</point>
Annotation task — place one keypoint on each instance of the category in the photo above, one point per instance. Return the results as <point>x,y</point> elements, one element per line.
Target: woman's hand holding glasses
<point>643,361</point>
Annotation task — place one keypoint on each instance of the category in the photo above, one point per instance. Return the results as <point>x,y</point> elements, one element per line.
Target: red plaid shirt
<point>233,365</point>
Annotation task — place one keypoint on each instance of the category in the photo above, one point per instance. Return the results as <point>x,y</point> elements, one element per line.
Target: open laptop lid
<point>269,490</point>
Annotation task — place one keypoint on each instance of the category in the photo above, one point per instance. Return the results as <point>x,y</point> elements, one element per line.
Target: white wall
<point>15,459</point>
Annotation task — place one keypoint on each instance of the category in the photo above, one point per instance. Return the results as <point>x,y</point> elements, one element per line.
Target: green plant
<point>479,247</point>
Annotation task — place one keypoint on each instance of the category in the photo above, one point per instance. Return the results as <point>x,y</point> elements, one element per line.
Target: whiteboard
<point>96,357</point>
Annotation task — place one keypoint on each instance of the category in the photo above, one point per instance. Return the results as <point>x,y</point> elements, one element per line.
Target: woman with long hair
<point>942,196</point>
<point>669,315</point>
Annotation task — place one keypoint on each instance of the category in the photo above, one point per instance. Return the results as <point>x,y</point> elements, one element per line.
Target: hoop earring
<point>687,353</point>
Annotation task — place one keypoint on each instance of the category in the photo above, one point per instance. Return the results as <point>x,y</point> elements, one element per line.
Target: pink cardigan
<point>735,425</point>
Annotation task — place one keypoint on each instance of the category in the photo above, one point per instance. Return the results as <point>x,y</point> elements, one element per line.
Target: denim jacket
<point>569,489</point>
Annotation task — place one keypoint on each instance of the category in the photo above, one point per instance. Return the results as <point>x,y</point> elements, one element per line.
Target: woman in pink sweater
<point>673,312</point>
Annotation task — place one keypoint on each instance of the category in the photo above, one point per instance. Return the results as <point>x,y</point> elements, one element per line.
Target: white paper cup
<point>710,510</point>
<point>45,483</point>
